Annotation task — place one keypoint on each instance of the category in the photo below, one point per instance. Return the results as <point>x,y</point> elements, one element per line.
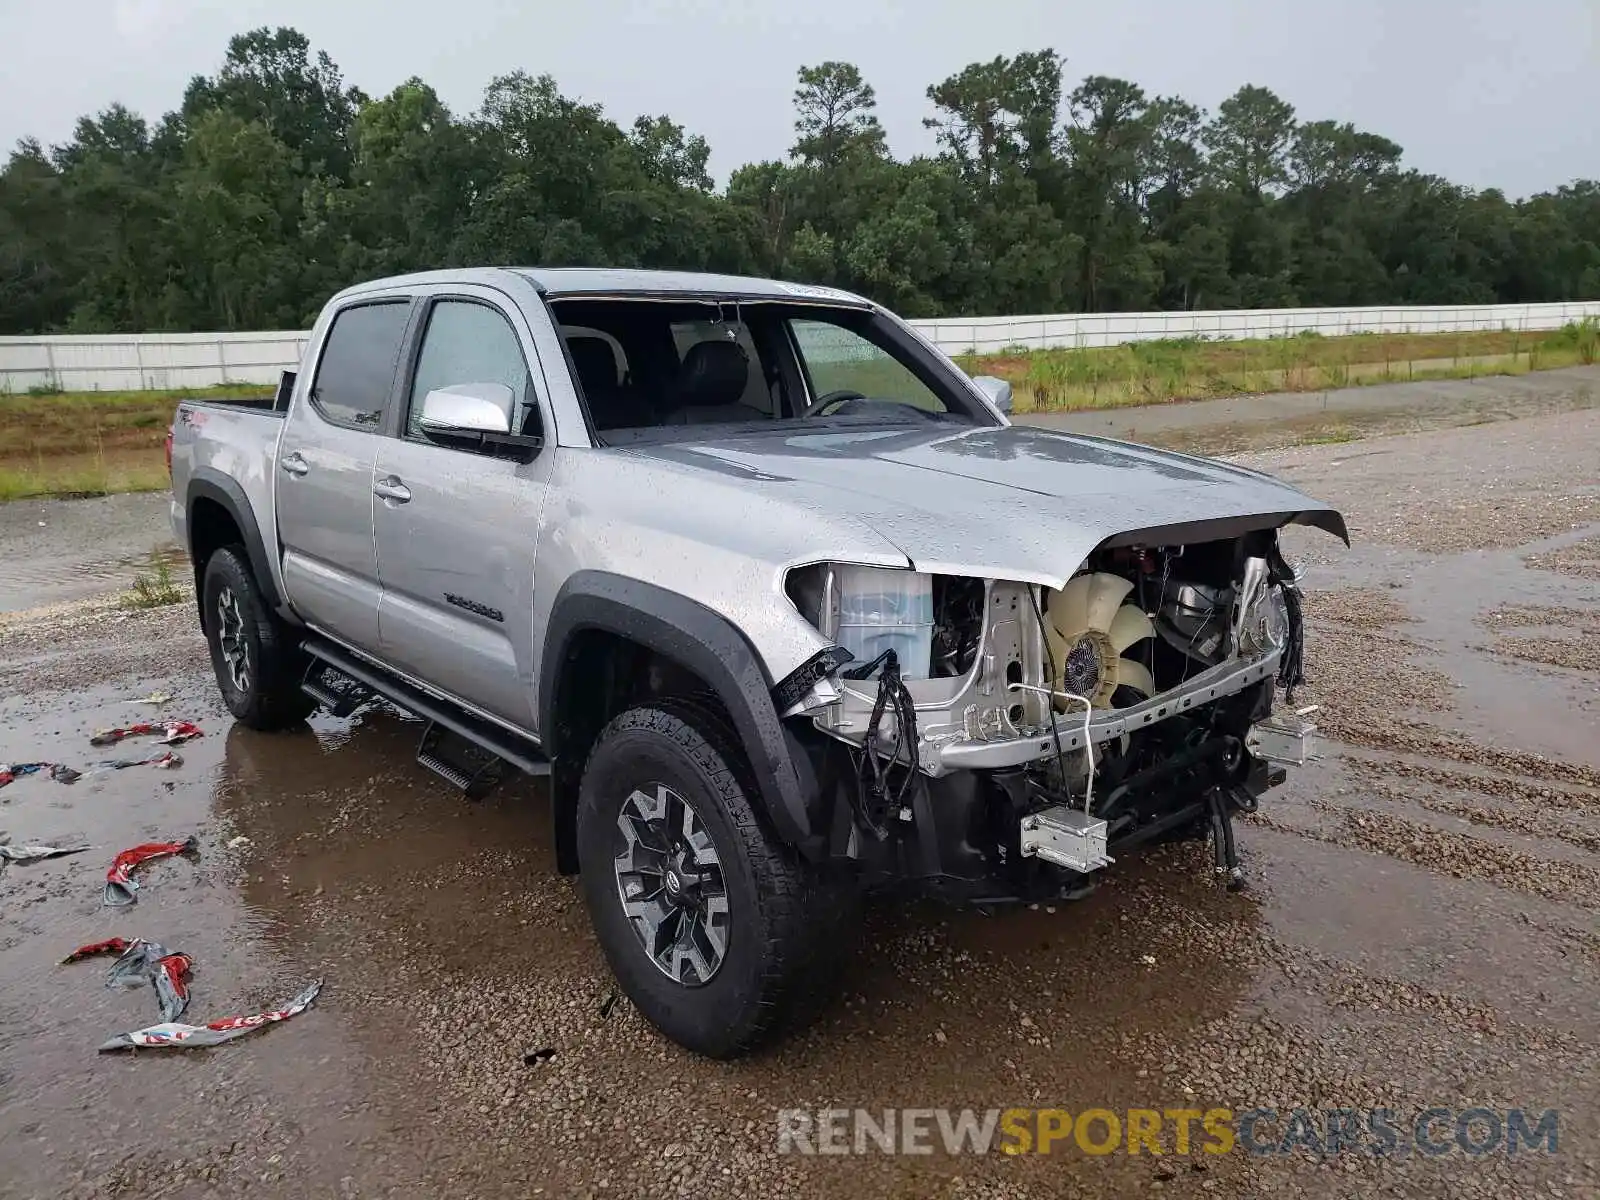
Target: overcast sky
<point>1501,93</point>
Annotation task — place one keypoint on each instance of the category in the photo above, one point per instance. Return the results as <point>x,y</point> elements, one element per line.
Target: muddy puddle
<point>1422,928</point>
<point>62,550</point>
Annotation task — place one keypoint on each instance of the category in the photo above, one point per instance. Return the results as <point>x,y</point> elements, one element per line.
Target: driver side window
<point>467,342</point>
<point>839,359</point>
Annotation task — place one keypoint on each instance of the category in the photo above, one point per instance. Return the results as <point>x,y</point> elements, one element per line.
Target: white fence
<point>191,360</point>
<point>134,361</point>
<point>955,335</point>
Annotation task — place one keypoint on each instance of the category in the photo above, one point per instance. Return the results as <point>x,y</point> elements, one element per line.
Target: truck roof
<point>575,282</point>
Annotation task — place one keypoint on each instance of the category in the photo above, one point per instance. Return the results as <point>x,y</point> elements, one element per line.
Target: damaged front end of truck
<point>992,741</point>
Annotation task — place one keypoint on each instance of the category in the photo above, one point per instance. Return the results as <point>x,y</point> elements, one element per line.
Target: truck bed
<point>234,446</point>
<point>266,405</point>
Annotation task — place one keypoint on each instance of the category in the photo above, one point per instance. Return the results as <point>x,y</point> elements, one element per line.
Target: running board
<point>522,753</point>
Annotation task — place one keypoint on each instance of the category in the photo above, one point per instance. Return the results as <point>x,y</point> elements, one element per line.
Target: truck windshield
<point>656,370</point>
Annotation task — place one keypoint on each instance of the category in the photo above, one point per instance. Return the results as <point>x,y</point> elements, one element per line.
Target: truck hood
<point>1015,502</point>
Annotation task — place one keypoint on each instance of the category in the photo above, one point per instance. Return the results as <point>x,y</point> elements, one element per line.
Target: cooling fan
<point>1089,629</point>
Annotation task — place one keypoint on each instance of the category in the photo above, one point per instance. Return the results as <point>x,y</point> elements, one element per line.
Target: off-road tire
<point>791,922</point>
<point>273,665</point>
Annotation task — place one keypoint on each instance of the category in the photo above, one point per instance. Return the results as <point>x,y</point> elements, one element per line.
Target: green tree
<point>835,112</point>
<point>271,77</point>
<point>275,183</point>
<point>40,269</point>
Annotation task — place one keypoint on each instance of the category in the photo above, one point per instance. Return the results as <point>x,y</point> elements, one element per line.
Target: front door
<point>324,472</point>
<point>456,528</point>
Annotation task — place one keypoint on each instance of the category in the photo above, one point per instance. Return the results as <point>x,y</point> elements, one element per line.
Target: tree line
<point>274,184</point>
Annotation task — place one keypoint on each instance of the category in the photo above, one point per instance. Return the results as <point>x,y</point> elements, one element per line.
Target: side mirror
<point>997,390</point>
<point>468,408</point>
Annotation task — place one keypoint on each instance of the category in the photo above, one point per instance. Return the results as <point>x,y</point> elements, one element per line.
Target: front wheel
<point>716,931</point>
<point>257,665</point>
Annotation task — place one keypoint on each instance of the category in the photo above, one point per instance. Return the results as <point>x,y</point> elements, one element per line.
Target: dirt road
<point>1422,927</point>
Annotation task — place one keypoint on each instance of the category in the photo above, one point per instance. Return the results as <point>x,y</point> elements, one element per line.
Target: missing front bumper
<point>1226,679</point>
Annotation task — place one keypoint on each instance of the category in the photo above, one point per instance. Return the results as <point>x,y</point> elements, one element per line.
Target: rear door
<point>456,527</point>
<point>324,471</point>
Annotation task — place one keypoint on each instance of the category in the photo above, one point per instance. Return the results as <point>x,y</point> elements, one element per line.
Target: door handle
<point>294,463</point>
<point>390,488</point>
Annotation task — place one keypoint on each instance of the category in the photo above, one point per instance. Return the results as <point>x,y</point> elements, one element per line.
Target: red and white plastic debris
<point>172,733</point>
<point>121,887</point>
<point>141,962</point>
<point>186,1037</point>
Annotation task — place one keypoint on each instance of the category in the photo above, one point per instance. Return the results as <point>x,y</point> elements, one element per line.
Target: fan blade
<point>1130,626</point>
<point>1108,592</point>
<point>1068,607</point>
<point>1135,675</point>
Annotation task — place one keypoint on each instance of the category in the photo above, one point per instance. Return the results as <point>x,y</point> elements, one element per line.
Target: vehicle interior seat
<point>711,385</point>
<point>611,406</point>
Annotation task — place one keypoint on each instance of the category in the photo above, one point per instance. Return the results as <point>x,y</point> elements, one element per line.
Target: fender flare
<point>700,640</point>
<point>210,484</point>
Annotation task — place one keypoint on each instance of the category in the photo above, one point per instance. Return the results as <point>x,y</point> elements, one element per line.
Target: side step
<point>473,770</point>
<point>340,696</point>
<point>484,738</point>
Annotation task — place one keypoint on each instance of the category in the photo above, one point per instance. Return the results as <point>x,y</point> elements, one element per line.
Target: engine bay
<point>1016,728</point>
<point>986,661</point>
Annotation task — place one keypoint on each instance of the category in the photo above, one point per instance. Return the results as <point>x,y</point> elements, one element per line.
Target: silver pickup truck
<point>778,598</point>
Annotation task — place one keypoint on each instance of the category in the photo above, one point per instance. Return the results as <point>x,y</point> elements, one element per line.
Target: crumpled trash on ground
<point>215,1033</point>
<point>13,771</point>
<point>11,852</point>
<point>152,698</point>
<point>165,760</point>
<point>172,733</point>
<point>114,945</point>
<point>120,884</point>
<point>141,962</point>
<point>61,773</point>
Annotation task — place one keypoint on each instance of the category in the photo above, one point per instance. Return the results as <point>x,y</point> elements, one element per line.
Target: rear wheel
<point>717,932</point>
<point>257,664</point>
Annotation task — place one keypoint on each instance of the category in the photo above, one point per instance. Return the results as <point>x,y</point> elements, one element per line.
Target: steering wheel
<point>829,399</point>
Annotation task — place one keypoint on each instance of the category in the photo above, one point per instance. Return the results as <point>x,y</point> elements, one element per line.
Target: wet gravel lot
<point>1422,926</point>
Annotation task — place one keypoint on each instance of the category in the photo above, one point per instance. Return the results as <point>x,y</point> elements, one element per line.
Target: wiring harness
<point>1292,667</point>
<point>876,804</point>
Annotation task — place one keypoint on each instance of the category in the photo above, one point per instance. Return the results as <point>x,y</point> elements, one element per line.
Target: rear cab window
<point>355,373</point>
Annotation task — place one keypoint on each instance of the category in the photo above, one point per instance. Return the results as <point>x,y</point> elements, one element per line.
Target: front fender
<point>699,640</point>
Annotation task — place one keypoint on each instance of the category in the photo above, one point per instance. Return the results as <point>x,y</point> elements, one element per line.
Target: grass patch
<point>1336,436</point>
<point>91,443</point>
<point>1161,371</point>
<point>72,477</point>
<point>153,590</point>
<point>81,422</point>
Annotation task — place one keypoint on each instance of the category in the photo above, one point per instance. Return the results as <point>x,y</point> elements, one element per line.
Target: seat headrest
<point>713,373</point>
<point>595,363</point>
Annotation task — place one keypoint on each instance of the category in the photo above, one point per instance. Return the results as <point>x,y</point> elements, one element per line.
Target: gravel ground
<point>1240,423</point>
<point>1422,926</point>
